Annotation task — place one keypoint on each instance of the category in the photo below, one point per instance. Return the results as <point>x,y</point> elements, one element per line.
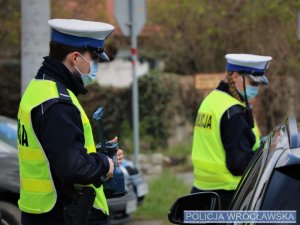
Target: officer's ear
<point>75,58</point>
<point>71,59</point>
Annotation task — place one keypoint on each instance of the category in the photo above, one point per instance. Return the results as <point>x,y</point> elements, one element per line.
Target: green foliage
<point>115,103</point>
<point>195,35</point>
<point>160,99</point>
<point>154,97</point>
<point>181,150</point>
<point>127,137</point>
<point>163,191</point>
<point>178,37</point>
<point>155,100</point>
<point>179,157</point>
<point>80,9</point>
<point>190,36</point>
<point>10,88</point>
<point>10,42</point>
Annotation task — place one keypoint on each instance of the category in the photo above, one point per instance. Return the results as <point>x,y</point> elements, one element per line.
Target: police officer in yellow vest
<point>225,133</point>
<point>55,143</point>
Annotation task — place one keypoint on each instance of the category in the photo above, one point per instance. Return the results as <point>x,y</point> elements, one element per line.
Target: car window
<point>243,195</point>
<point>283,190</point>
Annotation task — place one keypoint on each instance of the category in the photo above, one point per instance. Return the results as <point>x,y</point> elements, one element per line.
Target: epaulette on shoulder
<point>233,110</point>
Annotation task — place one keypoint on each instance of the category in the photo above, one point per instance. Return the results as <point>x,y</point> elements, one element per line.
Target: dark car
<point>9,172</point>
<point>134,177</point>
<point>271,181</point>
<point>121,208</point>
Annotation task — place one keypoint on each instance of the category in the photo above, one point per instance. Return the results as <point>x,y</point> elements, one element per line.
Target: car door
<point>257,174</point>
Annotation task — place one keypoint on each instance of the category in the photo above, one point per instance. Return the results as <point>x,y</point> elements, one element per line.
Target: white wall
<point>118,73</point>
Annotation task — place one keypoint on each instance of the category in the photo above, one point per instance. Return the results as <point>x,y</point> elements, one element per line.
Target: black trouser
<point>225,196</point>
<point>55,217</point>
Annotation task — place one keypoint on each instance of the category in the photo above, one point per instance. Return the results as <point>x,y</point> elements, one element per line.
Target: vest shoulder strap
<point>63,93</point>
<point>63,96</point>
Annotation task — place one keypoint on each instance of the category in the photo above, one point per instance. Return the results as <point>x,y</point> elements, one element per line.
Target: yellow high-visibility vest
<point>208,153</point>
<point>37,190</point>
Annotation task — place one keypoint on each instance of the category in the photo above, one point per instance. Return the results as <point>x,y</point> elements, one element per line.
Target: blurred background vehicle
<point>121,208</point>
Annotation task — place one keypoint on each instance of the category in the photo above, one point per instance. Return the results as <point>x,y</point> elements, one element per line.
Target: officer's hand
<point>120,156</point>
<point>115,139</point>
<point>111,169</point>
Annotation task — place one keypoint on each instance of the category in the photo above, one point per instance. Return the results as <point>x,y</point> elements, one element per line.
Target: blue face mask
<point>251,91</point>
<point>89,77</point>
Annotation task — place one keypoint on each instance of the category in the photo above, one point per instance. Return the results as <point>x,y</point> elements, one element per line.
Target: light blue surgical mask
<point>89,77</point>
<point>251,92</point>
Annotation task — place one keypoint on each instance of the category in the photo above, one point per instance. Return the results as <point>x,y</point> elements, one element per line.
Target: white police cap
<point>81,33</point>
<point>254,66</point>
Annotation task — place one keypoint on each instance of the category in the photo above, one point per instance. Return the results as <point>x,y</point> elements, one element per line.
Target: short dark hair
<point>59,51</point>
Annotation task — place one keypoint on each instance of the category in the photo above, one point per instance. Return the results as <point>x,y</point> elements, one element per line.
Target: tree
<point>195,35</point>
<point>10,29</point>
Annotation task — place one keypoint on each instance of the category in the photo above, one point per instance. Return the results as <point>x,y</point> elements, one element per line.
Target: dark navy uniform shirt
<point>58,127</point>
<point>237,137</point>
